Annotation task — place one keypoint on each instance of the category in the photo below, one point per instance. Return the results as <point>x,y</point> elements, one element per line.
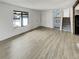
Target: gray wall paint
<point>6,20</point>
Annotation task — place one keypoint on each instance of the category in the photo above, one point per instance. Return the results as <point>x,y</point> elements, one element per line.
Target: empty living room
<point>39,29</point>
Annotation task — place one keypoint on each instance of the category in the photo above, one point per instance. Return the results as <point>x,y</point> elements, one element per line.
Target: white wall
<point>77,7</point>
<point>76,12</point>
<point>72,21</point>
<point>6,20</point>
<point>47,18</point>
<point>36,18</point>
<point>66,12</point>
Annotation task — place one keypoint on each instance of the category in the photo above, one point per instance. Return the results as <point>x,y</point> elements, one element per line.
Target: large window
<point>20,18</point>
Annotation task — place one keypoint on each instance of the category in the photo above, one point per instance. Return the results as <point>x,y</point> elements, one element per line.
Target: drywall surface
<point>72,21</point>
<point>47,18</point>
<point>6,20</point>
<point>76,12</point>
<point>66,12</point>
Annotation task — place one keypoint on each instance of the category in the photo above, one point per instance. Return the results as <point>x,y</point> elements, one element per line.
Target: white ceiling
<point>41,4</point>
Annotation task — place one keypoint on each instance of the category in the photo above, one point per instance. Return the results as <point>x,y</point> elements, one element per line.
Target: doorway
<point>76,17</point>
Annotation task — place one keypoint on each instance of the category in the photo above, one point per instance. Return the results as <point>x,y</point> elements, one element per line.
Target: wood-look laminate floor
<point>42,43</point>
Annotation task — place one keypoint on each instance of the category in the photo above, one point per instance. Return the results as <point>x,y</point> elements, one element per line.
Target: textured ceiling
<point>41,4</point>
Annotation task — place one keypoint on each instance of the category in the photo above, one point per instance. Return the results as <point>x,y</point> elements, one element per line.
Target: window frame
<point>27,13</point>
